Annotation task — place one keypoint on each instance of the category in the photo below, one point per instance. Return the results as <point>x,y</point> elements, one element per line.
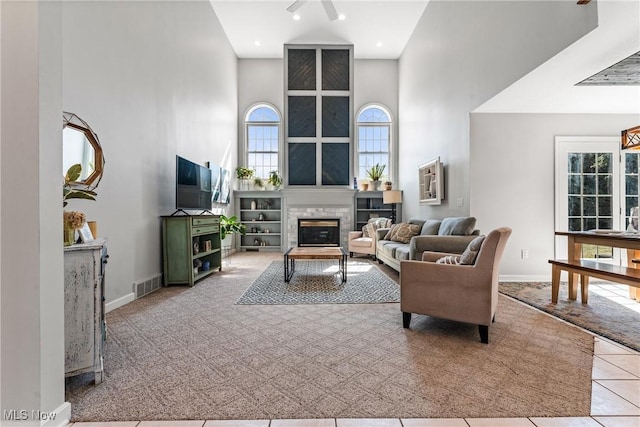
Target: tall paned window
<point>262,135</point>
<point>319,114</point>
<point>374,139</point>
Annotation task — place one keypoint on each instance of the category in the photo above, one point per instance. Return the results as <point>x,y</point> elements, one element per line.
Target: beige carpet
<point>191,353</point>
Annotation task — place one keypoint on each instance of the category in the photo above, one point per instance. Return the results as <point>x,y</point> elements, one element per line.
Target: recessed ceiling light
<point>296,17</point>
<point>379,44</point>
<point>257,43</point>
<point>342,17</point>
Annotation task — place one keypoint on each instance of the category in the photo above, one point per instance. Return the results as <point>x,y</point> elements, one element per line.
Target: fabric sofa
<point>449,235</point>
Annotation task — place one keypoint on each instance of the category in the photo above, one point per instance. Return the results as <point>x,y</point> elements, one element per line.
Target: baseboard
<point>119,302</point>
<point>525,278</point>
<point>59,418</point>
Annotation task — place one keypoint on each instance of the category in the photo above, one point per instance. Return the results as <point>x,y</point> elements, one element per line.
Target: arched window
<point>262,130</point>
<point>374,139</point>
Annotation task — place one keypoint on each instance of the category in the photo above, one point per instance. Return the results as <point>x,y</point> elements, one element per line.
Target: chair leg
<point>406,319</point>
<point>484,334</point>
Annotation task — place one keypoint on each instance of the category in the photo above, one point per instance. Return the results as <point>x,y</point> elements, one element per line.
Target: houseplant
<point>275,179</point>
<point>258,183</point>
<point>375,173</point>
<point>244,175</point>
<point>70,191</point>
<point>73,220</point>
<point>229,226</point>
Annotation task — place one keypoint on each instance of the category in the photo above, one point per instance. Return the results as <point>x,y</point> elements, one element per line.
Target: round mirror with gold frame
<point>80,145</point>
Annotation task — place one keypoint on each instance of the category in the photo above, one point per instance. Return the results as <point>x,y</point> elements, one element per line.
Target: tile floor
<point>615,396</point>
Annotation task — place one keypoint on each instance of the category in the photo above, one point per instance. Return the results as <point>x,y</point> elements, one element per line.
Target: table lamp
<point>392,197</point>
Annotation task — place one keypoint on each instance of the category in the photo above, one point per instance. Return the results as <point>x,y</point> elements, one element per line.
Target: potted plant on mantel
<point>258,183</point>
<point>275,180</point>
<point>244,176</point>
<point>375,173</point>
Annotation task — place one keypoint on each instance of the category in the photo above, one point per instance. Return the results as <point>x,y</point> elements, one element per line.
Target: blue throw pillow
<point>460,226</point>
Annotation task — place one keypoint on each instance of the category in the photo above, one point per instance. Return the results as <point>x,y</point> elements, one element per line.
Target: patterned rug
<point>601,315</point>
<point>318,282</point>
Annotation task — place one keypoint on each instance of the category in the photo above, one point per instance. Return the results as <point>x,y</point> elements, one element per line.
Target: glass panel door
<point>588,191</point>
<point>630,199</point>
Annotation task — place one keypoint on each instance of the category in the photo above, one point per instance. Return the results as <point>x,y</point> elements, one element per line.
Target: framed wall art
<point>431,182</point>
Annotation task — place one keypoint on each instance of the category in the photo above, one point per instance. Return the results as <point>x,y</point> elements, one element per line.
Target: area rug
<point>318,282</point>
<point>601,316</point>
<point>191,353</point>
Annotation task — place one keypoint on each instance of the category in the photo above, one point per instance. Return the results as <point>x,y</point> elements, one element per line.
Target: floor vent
<point>143,288</point>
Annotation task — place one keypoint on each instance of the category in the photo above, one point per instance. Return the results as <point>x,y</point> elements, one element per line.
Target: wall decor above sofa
<point>431,180</point>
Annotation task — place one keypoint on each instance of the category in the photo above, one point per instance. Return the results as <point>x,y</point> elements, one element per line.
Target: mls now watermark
<point>26,415</point>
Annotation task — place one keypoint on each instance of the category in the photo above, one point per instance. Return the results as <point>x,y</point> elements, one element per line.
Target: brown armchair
<point>464,293</point>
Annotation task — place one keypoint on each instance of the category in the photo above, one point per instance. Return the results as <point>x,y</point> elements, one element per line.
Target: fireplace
<point>318,231</point>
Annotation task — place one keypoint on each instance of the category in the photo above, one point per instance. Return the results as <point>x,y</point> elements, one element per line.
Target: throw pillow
<point>369,229</point>
<point>430,227</point>
<point>449,259</point>
<point>403,232</point>
<point>469,255</point>
<point>388,235</point>
<point>462,226</point>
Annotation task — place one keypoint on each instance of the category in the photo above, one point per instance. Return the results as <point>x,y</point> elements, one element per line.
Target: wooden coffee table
<point>314,253</point>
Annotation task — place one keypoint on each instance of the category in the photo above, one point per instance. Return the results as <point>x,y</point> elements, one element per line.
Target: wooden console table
<point>616,239</point>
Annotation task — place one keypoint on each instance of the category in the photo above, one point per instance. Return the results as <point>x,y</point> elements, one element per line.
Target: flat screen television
<point>193,185</point>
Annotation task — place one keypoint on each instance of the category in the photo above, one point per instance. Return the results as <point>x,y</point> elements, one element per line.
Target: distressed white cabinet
<point>84,321</point>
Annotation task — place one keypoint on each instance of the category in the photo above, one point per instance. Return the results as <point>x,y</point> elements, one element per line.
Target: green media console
<point>190,248</point>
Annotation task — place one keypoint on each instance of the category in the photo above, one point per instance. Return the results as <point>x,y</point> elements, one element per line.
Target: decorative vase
<point>245,184</point>
<point>387,186</point>
<point>253,205</point>
<point>375,185</point>
<point>68,236</point>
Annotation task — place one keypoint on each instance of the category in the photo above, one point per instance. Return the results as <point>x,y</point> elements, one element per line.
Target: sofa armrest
<point>381,232</point>
<point>449,244</point>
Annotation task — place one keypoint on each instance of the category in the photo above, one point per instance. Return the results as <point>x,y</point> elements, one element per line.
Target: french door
<point>589,191</point>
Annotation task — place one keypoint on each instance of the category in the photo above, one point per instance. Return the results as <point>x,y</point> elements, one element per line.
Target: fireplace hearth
<point>318,231</point>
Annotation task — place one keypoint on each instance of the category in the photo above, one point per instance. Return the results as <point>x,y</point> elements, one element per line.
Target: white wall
<point>376,81</point>
<point>31,282</point>
<point>512,179</point>
<point>153,79</point>
<point>447,70</point>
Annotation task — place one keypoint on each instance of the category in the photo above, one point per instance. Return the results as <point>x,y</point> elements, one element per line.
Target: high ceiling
<point>377,29</point>
<point>553,86</point>
<point>380,29</point>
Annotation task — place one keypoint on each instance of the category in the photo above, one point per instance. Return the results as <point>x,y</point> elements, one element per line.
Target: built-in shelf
<point>369,204</point>
<point>261,213</point>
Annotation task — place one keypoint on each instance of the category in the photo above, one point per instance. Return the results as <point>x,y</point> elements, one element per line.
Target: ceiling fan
<point>329,8</point>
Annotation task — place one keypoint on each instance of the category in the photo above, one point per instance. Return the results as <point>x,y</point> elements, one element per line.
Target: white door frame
<point>584,144</point>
